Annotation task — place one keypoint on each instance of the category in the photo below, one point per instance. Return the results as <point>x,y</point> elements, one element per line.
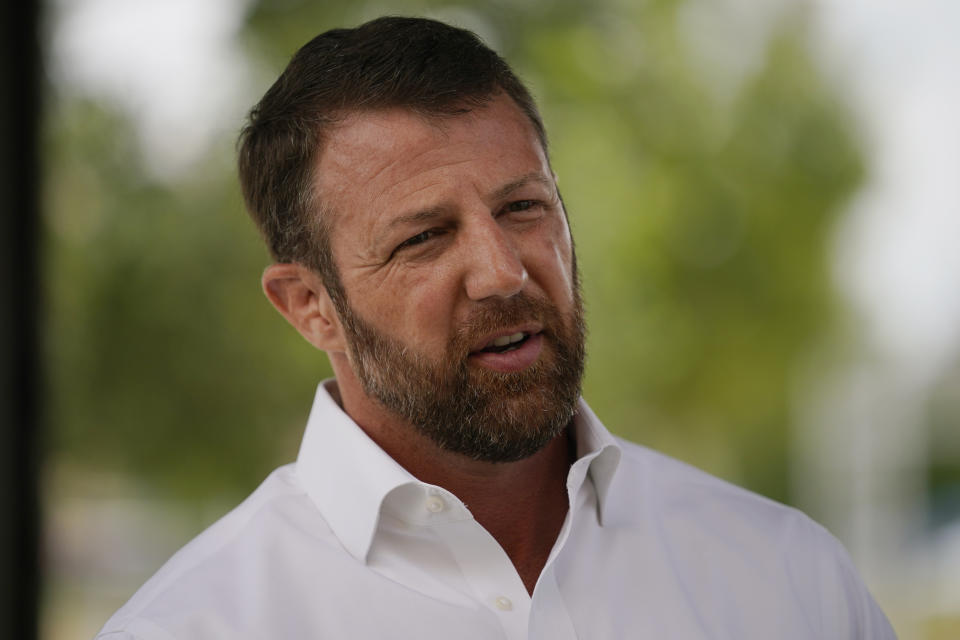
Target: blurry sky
<point>176,66</point>
<point>897,254</point>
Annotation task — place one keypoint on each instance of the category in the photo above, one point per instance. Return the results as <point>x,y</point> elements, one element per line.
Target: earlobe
<point>299,295</point>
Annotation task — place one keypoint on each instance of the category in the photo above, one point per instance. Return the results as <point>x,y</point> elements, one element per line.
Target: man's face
<point>451,240</point>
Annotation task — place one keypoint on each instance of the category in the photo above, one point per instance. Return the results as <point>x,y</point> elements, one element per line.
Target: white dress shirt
<point>345,543</point>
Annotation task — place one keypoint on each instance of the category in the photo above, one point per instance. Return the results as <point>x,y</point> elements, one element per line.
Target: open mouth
<point>506,343</point>
<point>510,353</point>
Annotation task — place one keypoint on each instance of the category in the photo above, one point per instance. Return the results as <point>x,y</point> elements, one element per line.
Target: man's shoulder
<point>692,509</point>
<point>670,485</point>
<point>727,539</point>
<point>646,485</point>
<point>215,569</point>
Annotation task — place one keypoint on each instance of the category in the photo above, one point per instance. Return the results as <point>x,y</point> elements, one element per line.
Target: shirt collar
<point>348,476</point>
<point>345,473</point>
<point>598,455</point>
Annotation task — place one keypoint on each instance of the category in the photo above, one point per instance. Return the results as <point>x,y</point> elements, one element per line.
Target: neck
<point>526,525</point>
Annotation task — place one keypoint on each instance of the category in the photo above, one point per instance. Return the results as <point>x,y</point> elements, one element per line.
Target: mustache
<point>498,313</point>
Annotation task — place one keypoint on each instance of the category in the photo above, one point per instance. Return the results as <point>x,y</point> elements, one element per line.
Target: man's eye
<point>421,237</point>
<point>524,210</point>
<point>521,205</point>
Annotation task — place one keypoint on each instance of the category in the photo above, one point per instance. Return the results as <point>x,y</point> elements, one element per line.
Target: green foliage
<point>702,225</point>
<point>704,232</point>
<point>163,355</point>
<point>943,448</point>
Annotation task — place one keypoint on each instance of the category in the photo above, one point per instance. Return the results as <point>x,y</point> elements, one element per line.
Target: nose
<point>493,266</point>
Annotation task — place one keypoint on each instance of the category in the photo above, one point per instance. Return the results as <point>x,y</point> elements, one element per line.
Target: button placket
<point>489,572</point>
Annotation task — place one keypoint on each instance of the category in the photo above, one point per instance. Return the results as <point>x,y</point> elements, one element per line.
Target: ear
<point>299,295</point>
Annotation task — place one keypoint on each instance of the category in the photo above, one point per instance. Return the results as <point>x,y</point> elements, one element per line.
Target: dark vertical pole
<point>19,319</point>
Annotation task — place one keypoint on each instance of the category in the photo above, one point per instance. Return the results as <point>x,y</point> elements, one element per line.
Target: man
<point>451,483</point>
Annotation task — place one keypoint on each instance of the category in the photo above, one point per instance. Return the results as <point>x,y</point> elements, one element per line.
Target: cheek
<point>423,305</point>
<point>555,264</point>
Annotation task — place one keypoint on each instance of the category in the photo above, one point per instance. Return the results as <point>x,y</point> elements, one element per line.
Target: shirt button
<point>503,603</point>
<point>435,504</point>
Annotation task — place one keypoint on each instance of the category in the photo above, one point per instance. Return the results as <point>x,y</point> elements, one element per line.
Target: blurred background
<point>764,198</point>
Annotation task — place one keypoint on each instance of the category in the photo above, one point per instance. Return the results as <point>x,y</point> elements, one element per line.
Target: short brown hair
<point>419,64</point>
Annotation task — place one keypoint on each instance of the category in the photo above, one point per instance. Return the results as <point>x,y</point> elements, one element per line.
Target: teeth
<point>503,341</point>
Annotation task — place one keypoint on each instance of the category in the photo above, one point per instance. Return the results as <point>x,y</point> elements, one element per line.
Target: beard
<point>471,410</point>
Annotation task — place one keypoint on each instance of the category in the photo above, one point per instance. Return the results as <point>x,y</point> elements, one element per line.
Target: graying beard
<point>458,416</point>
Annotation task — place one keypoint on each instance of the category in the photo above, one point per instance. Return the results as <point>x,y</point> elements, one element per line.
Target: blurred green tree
<point>166,362</point>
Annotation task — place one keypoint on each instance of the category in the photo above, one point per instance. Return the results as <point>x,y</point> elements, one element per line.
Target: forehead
<point>378,161</point>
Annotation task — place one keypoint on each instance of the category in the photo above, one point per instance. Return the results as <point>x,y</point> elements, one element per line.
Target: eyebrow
<point>520,182</point>
<point>432,213</point>
<point>419,216</point>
